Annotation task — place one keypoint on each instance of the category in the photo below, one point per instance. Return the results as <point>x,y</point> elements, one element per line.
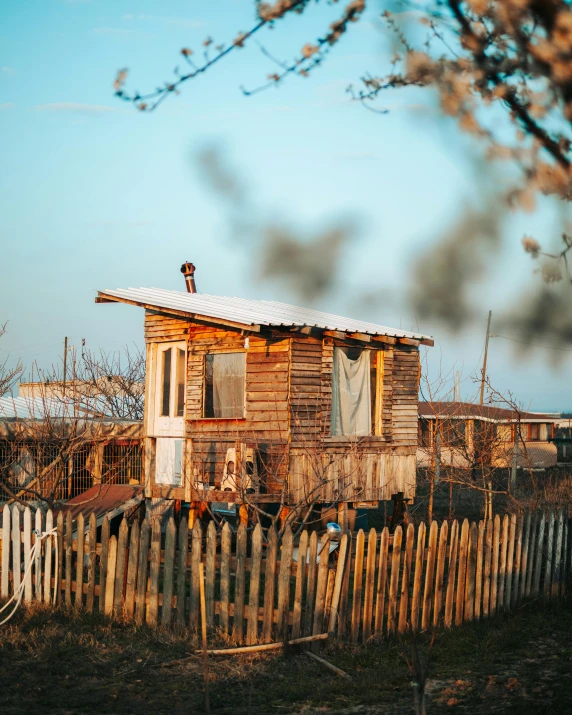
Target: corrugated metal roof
<point>469,410</point>
<point>26,408</point>
<point>250,312</point>
<point>102,499</point>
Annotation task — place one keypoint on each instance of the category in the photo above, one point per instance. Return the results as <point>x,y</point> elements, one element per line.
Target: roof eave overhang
<point>103,297</point>
<point>106,298</point>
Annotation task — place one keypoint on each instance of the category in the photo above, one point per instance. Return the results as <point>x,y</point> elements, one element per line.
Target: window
<point>424,433</point>
<point>351,393</point>
<point>225,385</point>
<point>377,374</point>
<point>504,433</point>
<point>170,384</point>
<point>453,432</point>
<point>166,383</point>
<point>180,377</point>
<point>534,432</point>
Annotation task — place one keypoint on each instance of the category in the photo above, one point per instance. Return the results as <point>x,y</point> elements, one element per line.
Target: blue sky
<point>95,195</point>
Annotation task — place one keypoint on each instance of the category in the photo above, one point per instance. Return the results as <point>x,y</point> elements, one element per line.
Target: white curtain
<point>351,394</point>
<point>228,384</point>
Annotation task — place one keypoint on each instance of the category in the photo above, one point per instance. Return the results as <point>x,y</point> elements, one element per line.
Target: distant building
<point>563,439</point>
<point>490,433</point>
<point>55,448</point>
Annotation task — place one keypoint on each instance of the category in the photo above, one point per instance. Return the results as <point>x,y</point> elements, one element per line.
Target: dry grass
<point>56,662</point>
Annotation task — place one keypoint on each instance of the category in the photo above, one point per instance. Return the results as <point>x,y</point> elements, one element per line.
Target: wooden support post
<point>194,512</point>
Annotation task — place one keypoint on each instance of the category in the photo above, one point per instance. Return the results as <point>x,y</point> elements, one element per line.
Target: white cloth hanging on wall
<point>351,394</point>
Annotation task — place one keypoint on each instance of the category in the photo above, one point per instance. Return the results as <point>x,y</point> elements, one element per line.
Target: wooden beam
<point>194,317</point>
<point>427,341</point>
<point>360,336</point>
<point>335,334</point>
<point>408,341</point>
<point>384,339</point>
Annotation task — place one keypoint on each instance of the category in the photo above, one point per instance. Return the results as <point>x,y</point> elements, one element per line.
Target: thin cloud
<point>75,108</point>
<point>5,106</point>
<point>112,32</point>
<point>181,22</point>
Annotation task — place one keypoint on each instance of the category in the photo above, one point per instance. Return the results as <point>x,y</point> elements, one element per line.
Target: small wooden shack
<point>259,401</point>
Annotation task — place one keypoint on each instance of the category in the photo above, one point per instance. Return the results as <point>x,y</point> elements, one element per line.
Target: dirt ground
<point>64,663</point>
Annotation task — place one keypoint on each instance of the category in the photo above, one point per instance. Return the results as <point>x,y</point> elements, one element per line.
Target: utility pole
<point>65,365</point>
<point>484,372</point>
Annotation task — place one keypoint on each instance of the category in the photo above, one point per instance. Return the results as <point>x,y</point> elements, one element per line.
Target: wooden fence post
<point>510,563</point>
<point>48,541</point>
<point>196,548</point>
<point>462,573</point>
<point>358,580</point>
<point>539,553</point>
<point>90,597</point>
<point>27,548</point>
<point>182,560</point>
<point>69,557</point>
<point>254,595</point>
<point>80,530</point>
<point>394,579</point>
<point>225,576</point>
<point>103,562</point>
<point>381,580</point>
<point>310,586</point>
<point>131,581</point>
<point>549,553</point>
<point>524,560</point>
<point>284,582</point>
<point>210,558</point>
<point>110,576</point>
<point>429,576</point>
<point>16,548</point>
<point>6,531</point>
<point>239,586</point>
<point>556,570</point>
<point>143,562</point>
<point>441,558</point>
<point>169,572</point>
<point>479,571</point>
<point>38,559</point>
<point>321,590</point>
<point>154,571</point>
<point>516,582</point>
<point>299,587</point>
<point>503,555</point>
<point>370,582</point>
<point>471,574</point>
<point>487,568</point>
<point>450,596</point>
<point>342,565</point>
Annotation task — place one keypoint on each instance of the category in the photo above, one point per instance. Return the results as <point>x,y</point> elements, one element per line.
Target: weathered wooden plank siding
<point>405,384</point>
<point>288,414</point>
<point>161,328</point>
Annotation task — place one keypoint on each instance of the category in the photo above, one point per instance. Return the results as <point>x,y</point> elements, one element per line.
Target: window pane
<point>178,468</point>
<point>534,432</point>
<point>225,385</point>
<point>209,406</point>
<point>166,383</point>
<point>181,364</point>
<point>351,393</point>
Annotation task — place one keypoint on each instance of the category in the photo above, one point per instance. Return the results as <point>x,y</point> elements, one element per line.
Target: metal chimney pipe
<point>188,270</point>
